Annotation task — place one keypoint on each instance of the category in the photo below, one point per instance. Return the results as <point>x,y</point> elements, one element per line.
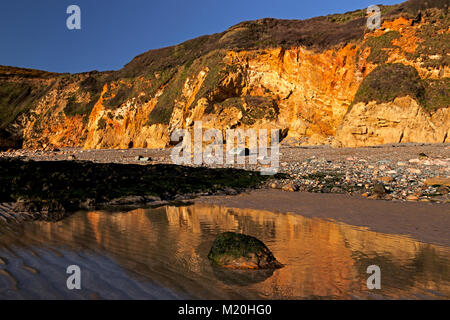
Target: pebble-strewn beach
<point>412,172</point>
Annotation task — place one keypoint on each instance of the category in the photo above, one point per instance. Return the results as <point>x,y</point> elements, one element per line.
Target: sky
<point>33,33</point>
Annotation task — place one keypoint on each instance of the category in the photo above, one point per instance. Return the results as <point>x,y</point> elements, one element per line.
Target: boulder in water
<point>239,251</point>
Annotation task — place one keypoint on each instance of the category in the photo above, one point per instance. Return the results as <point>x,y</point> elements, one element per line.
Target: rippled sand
<point>161,254</point>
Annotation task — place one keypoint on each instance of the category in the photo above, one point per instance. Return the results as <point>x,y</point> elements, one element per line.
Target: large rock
<point>402,120</point>
<point>239,251</point>
<point>438,181</point>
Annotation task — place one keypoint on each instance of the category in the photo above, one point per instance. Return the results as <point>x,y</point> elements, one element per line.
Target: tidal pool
<point>162,254</point>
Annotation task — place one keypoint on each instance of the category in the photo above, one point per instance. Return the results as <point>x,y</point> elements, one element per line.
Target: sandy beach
<point>423,221</point>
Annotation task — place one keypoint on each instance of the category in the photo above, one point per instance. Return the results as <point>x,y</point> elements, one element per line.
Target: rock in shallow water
<point>239,251</point>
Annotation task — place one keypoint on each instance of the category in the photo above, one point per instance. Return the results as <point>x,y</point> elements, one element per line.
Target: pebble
<point>291,187</point>
<point>413,183</point>
<point>274,186</point>
<point>415,171</point>
<point>386,179</point>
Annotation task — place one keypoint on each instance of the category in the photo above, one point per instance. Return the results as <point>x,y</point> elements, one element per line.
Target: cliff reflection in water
<point>168,247</point>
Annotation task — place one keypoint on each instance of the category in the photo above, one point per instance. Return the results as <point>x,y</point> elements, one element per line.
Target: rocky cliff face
<point>402,120</point>
<point>321,81</point>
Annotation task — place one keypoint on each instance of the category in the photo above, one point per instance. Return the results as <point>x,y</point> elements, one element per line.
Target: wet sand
<point>426,222</point>
<point>163,254</point>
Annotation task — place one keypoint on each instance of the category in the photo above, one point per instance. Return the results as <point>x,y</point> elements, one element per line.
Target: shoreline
<point>425,222</point>
<point>317,182</point>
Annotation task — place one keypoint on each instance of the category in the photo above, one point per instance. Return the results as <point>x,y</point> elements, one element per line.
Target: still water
<point>162,254</point>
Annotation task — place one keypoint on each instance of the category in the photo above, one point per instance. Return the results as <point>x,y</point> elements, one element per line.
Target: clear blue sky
<point>33,33</point>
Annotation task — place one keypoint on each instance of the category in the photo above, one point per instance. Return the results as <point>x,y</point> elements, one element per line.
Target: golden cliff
<point>316,94</point>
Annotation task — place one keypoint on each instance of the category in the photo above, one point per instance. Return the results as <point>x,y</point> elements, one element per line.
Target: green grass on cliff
<point>17,98</point>
<point>357,14</point>
<point>217,70</point>
<point>390,81</point>
<point>437,94</point>
<point>22,89</point>
<point>413,7</point>
<point>379,46</point>
<point>253,108</point>
<point>90,84</point>
<point>172,90</point>
<point>170,67</point>
<point>7,71</point>
<point>434,44</point>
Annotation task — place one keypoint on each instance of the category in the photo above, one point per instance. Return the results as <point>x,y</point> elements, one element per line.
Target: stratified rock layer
<point>403,120</point>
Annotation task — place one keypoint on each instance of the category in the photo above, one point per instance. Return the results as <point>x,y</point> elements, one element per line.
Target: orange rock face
<point>305,93</point>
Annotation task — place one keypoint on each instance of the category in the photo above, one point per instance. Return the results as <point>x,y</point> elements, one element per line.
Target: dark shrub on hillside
<point>378,46</point>
<point>437,93</point>
<point>122,95</point>
<point>17,98</point>
<point>414,6</point>
<point>390,81</point>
